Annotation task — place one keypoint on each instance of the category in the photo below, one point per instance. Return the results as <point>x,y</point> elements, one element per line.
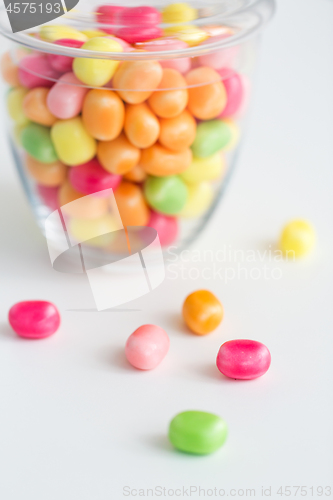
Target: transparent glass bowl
<point>159,121</point>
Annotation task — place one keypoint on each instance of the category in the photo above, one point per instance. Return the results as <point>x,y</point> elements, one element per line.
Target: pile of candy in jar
<point>155,131</point>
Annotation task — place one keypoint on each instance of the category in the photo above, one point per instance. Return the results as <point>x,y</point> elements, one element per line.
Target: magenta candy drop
<point>34,319</point>
<point>49,196</point>
<point>90,177</point>
<point>243,359</point>
<point>166,227</point>
<point>135,34</point>
<point>35,71</point>
<point>138,16</point>
<point>106,14</point>
<point>60,63</point>
<point>234,88</point>
<point>147,346</point>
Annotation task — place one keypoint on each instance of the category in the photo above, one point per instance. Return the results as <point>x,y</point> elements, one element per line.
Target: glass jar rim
<point>246,21</point>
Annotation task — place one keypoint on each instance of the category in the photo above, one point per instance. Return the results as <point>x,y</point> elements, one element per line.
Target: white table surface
<point>77,423</point>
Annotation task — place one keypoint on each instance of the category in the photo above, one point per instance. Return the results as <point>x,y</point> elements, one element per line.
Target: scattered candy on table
<point>297,239</point>
<point>34,319</point>
<point>243,359</point>
<point>202,312</point>
<point>197,432</point>
<point>147,347</point>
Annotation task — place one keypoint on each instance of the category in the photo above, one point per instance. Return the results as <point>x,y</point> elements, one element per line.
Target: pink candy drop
<point>183,64</point>
<point>147,347</point>
<point>34,319</point>
<point>60,63</point>
<point>166,227</point>
<point>243,359</point>
<point>65,99</point>
<point>90,178</point>
<point>49,195</point>
<point>35,71</point>
<point>221,58</point>
<point>234,88</point>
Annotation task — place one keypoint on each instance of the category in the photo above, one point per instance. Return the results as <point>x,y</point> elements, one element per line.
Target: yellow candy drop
<point>14,105</point>
<point>100,231</point>
<point>199,199</point>
<point>97,72</point>
<point>205,169</point>
<point>16,133</point>
<point>72,142</point>
<point>51,33</point>
<point>297,238</point>
<point>235,134</point>
<point>179,13</point>
<point>93,33</point>
<point>188,33</point>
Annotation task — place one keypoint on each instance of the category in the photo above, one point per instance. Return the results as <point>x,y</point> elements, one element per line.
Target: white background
<point>78,423</point>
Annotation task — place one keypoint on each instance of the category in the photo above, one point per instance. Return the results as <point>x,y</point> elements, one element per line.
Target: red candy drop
<point>60,63</point>
<point>243,359</point>
<point>90,178</point>
<point>166,227</point>
<point>34,319</point>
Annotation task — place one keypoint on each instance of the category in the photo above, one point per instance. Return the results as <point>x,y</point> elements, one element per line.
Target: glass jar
<point>131,117</point>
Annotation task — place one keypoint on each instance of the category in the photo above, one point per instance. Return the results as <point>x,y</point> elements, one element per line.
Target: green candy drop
<point>36,140</point>
<point>197,432</point>
<point>167,195</point>
<point>211,137</point>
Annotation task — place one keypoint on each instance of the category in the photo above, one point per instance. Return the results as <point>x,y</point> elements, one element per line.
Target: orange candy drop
<point>160,161</point>
<point>103,114</point>
<point>131,204</point>
<point>35,107</point>
<point>207,94</point>
<point>141,127</point>
<point>86,207</point>
<point>202,312</point>
<point>9,70</point>
<point>46,174</point>
<point>178,133</point>
<point>118,156</point>
<point>134,81</point>
<point>137,174</point>
<point>169,103</point>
